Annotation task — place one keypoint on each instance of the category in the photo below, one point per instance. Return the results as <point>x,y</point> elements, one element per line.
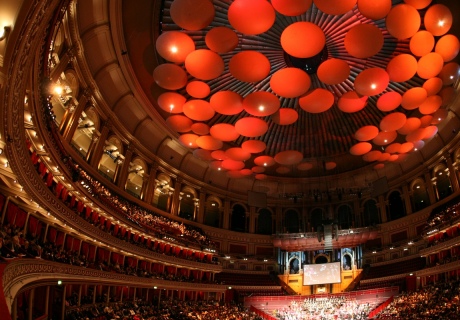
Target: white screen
<point>321,273</point>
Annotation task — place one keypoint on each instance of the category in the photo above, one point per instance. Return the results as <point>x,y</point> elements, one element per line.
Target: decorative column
<point>226,219</point>
<point>382,208</point>
<point>68,56</point>
<point>407,201</point>
<point>452,174</point>
<point>252,219</point>
<point>122,176</point>
<point>152,184</point>
<point>31,303</point>
<point>95,156</point>
<point>175,197</point>
<point>200,216</point>
<point>72,114</point>
<point>430,187</point>
<point>279,219</point>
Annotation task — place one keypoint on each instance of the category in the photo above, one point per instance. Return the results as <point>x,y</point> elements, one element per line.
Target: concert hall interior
<point>238,159</point>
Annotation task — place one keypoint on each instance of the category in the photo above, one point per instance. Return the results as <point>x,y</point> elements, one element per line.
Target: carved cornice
<point>21,273</point>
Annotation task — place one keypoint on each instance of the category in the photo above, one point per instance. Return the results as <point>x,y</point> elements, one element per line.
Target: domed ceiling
<point>297,88</point>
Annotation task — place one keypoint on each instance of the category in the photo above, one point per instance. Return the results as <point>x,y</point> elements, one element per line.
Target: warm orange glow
<point>297,34</point>
<point>351,102</point>
<point>374,10</point>
<point>430,65</point>
<point>192,14</point>
<point>291,7</point>
<point>227,102</point>
<point>413,98</point>
<point>209,143</point>
<point>221,39</point>
<point>363,40</point>
<point>378,77</point>
<point>170,76</point>
<point>261,103</point>
<point>402,67</point>
<point>366,133</point>
<point>438,19</point>
<point>179,123</point>
<point>251,17</point>
<point>389,101</point>
<point>290,82</point>
<point>393,121</point>
<point>224,132</point>
<point>403,21</point>
<point>333,71</point>
<point>249,66</point>
<point>421,43</point>
<point>251,127</point>
<point>204,64</point>
<point>199,110</point>
<point>335,7</point>
<point>254,146</point>
<point>285,116</point>
<point>317,101</point>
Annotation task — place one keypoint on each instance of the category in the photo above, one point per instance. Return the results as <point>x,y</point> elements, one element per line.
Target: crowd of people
<point>444,215</point>
<point>326,309</point>
<point>14,245</point>
<point>152,221</point>
<point>438,301</point>
<point>165,310</point>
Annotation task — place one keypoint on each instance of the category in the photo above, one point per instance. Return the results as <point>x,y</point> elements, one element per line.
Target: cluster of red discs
<point>428,58</point>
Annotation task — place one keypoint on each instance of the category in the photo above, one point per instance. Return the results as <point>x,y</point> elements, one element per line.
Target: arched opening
<point>321,259</point>
<point>371,213</point>
<point>420,198</point>
<point>264,222</point>
<point>187,206</point>
<point>291,221</point>
<point>316,218</point>
<point>211,213</point>
<point>396,208</point>
<point>294,266</point>
<point>345,217</point>
<point>347,262</point>
<point>238,218</point>
<point>443,185</point>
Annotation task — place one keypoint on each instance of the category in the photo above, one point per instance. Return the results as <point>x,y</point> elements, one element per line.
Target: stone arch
<point>291,220</point>
<point>294,264</point>
<point>316,218</point>
<point>345,216</point>
<point>443,185</point>
<point>419,194</point>
<point>188,203</point>
<point>370,212</point>
<point>135,179</point>
<point>396,208</point>
<point>264,221</point>
<point>238,218</point>
<point>212,211</point>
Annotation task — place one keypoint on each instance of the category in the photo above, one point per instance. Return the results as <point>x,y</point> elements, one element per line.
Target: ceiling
<point>340,91</point>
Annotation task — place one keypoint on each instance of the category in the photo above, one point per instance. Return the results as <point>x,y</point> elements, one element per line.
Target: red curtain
<point>21,218</point>
<point>76,245</point>
<point>52,233</point>
<point>49,179</point>
<point>33,226</point>
<point>59,189</point>
<point>2,201</point>
<point>80,206</point>
<point>73,201</point>
<point>60,238</point>
<point>88,212</point>
<point>102,254</point>
<point>95,216</point>
<point>68,242</point>
<point>11,212</point>
<point>92,253</point>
